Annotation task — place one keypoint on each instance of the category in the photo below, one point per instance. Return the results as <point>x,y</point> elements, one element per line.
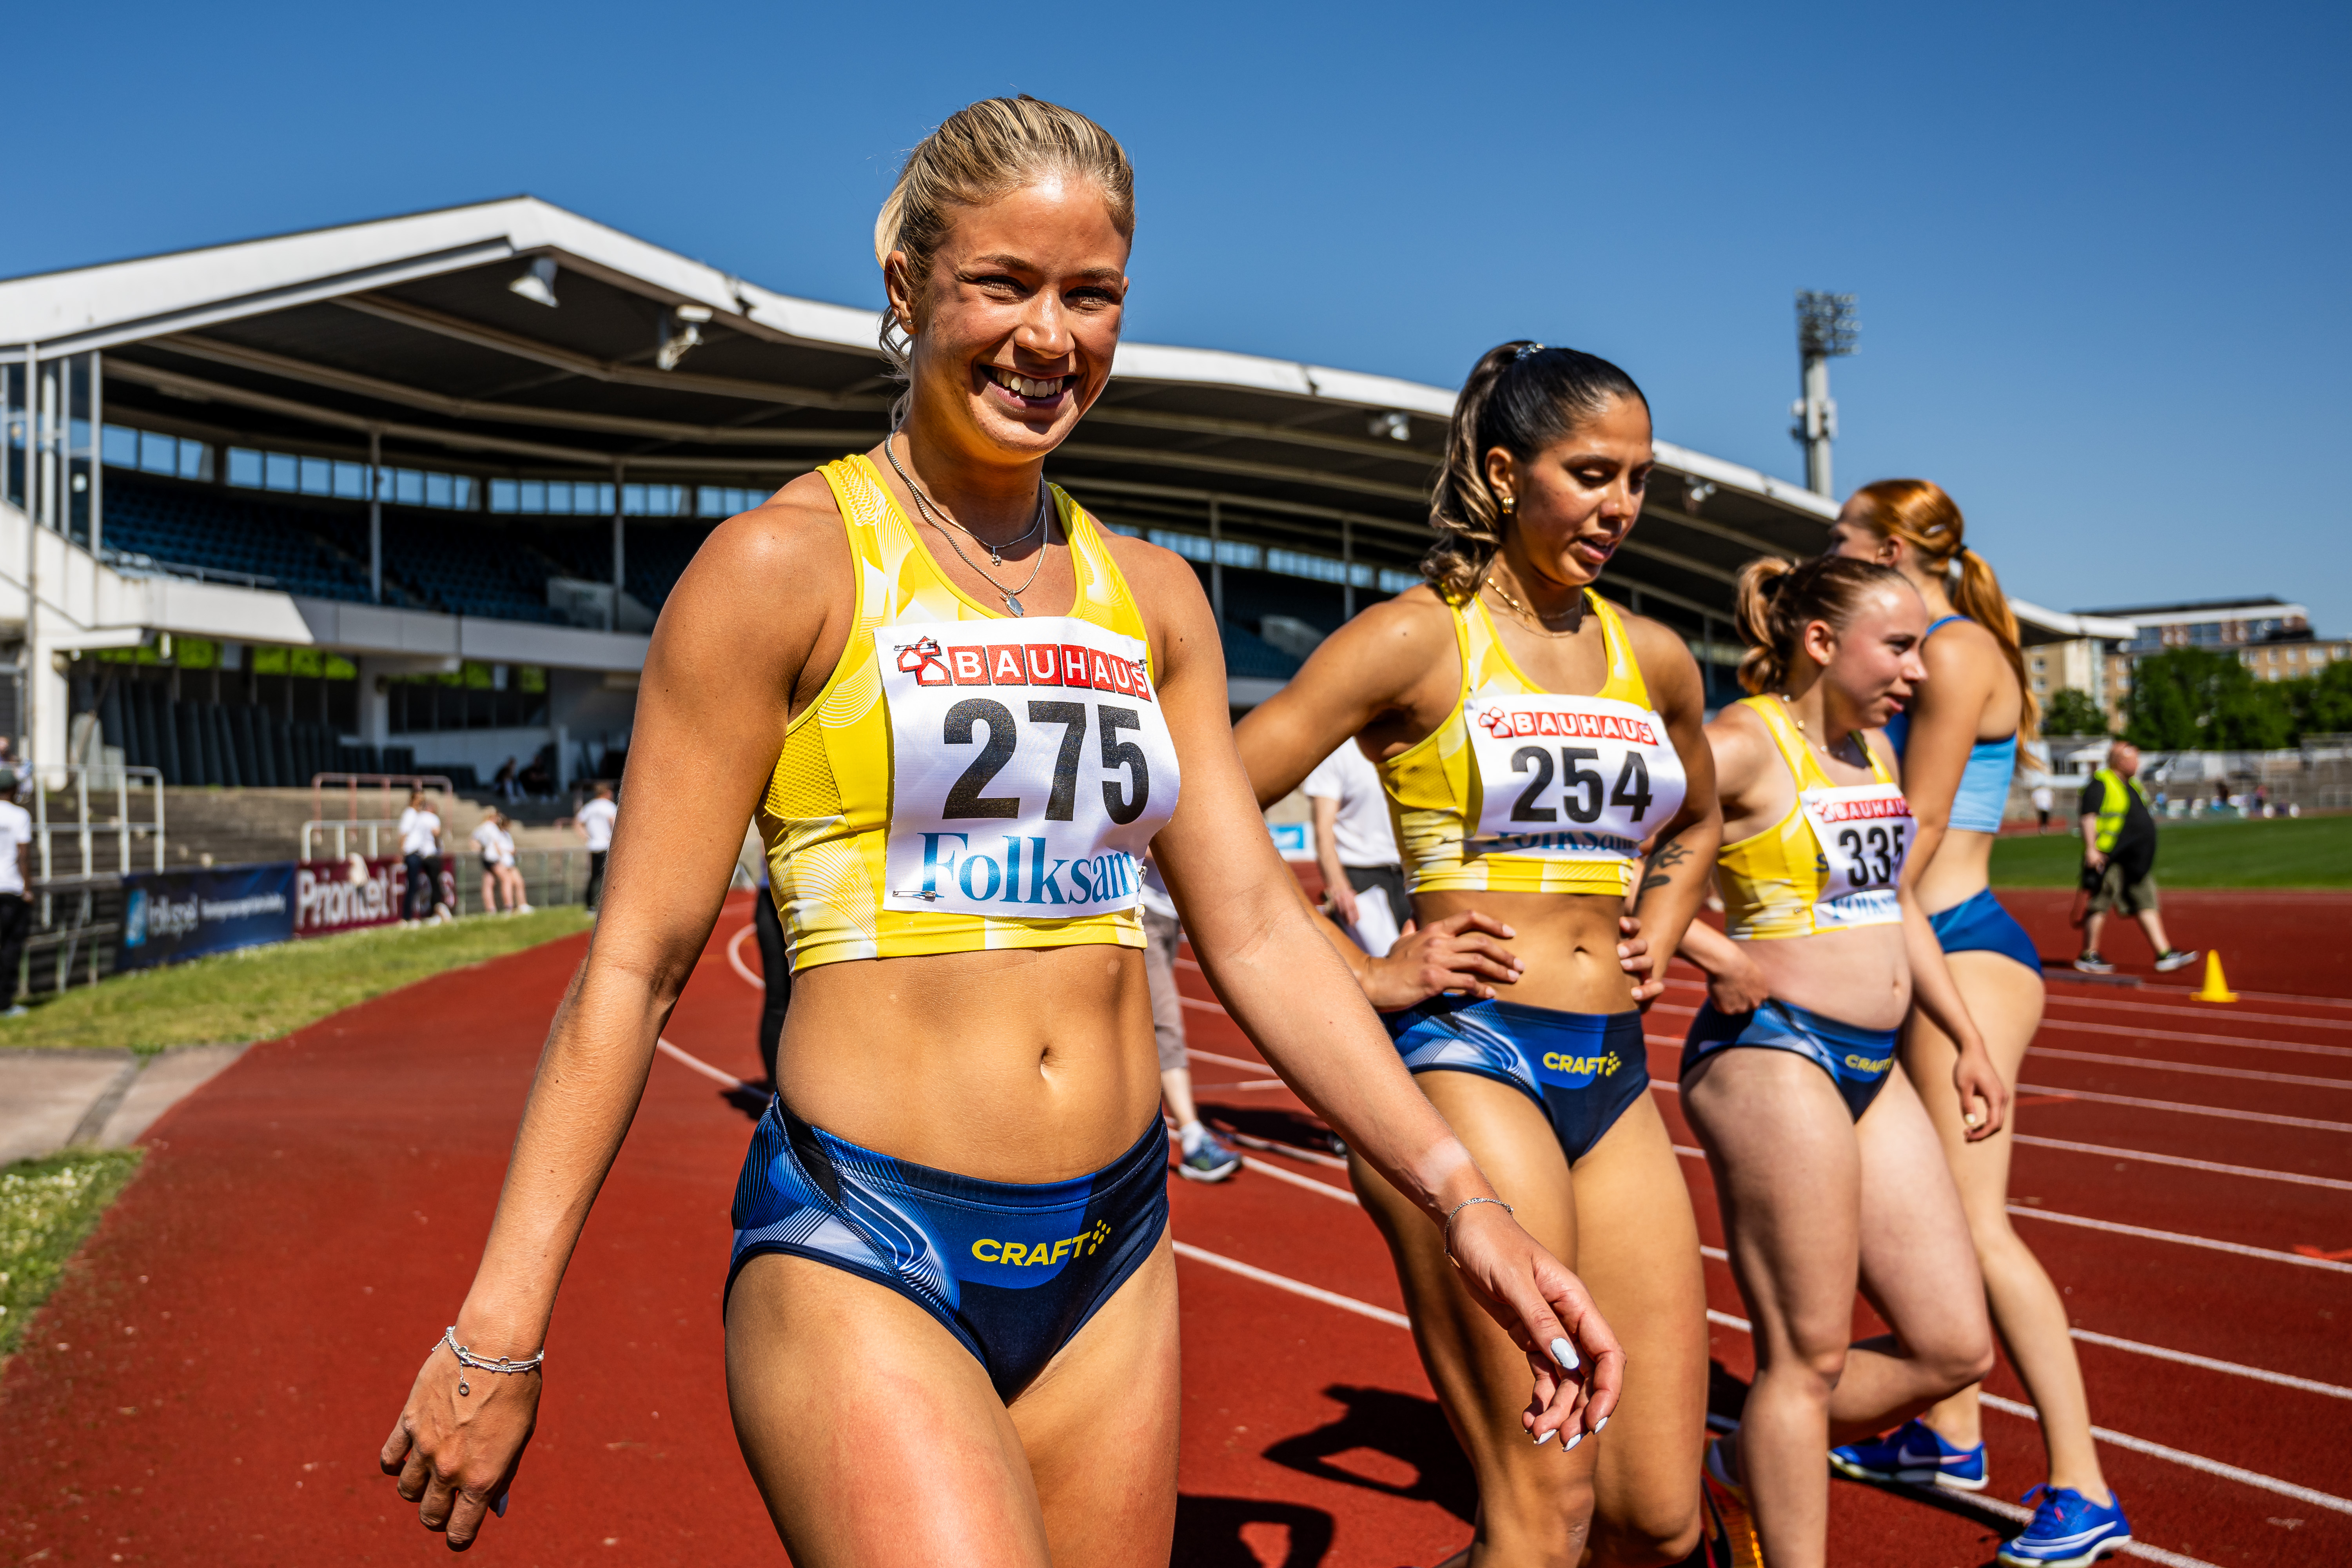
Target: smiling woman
<point>950,1260</point>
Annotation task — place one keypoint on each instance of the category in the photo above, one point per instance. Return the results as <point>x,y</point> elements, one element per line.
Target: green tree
<point>2072,712</point>
<point>2323,706</point>
<point>2192,698</point>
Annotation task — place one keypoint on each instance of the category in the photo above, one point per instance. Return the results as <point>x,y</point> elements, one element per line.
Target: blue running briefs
<point>1856,1059</point>
<point>1982,924</point>
<point>1582,1069</point>
<point>1013,1272</point>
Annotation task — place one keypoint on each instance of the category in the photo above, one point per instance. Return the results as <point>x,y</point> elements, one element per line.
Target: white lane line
<point>2136,1445</point>
<point>2187,1163</point>
<point>1254,1084</point>
<point>2222,1111</point>
<point>2241,1250</point>
<point>2203,1068</point>
<point>2235,1369</point>
<point>1715,1252</point>
<point>1203,1006</point>
<point>1296,1180</point>
<point>2193,1461</point>
<point>696,1064</point>
<point>2184,1038</point>
<point>735,957</point>
<point>2235,1017</point>
<point>1288,1151</point>
<point>1296,1287</point>
<point>1225,1061</point>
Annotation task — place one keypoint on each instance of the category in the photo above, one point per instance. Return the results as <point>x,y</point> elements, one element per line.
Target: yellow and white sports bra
<point>1831,864</point>
<point>968,780</point>
<point>1522,790</point>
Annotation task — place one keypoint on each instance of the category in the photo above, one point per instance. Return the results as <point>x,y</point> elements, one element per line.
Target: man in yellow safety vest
<point>2119,860</point>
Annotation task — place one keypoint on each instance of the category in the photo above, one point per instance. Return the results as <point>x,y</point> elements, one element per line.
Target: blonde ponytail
<point>1776,601</point>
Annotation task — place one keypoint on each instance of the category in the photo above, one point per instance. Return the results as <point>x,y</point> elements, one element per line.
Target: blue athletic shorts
<point>1013,1271</point>
<point>1856,1059</point>
<point>1582,1069</point>
<point>1982,924</point>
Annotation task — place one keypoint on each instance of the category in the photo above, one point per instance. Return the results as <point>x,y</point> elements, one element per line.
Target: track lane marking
<point>2136,1445</point>
<point>2184,1038</point>
<point>2235,1369</point>
<point>1226,1062</point>
<point>2224,1112</point>
<point>1252,1162</point>
<point>696,1064</point>
<point>2206,1069</point>
<point>1287,1150</point>
<point>2143,1231</point>
<point>735,956</point>
<point>2183,1161</point>
<point>1296,1287</point>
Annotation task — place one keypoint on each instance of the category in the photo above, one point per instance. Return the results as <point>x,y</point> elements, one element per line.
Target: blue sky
<point>2101,250</point>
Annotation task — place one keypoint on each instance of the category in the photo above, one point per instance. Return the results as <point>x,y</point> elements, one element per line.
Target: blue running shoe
<point>1914,1455</point>
<point>2069,1531</point>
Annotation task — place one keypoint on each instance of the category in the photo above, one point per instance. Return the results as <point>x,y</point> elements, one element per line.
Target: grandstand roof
<point>408,327</point>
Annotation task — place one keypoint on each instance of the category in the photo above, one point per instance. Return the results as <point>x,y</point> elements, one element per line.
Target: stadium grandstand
<point>410,494</point>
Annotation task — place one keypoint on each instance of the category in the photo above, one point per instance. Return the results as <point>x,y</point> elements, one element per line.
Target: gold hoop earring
<point>1508,504</point>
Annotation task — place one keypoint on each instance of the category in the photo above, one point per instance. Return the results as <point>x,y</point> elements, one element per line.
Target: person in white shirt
<point>501,883</point>
<point>16,891</point>
<point>595,824</point>
<point>1203,1156</point>
<point>420,853</point>
<point>1356,848</point>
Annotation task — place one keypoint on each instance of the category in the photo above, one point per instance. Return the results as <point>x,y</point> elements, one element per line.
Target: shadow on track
<point>1217,1532</point>
<point>1404,1428</point>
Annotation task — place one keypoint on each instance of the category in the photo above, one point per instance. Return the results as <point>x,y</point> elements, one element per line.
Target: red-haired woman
<point>1958,739</point>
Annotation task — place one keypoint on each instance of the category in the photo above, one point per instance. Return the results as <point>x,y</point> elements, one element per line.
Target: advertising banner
<point>168,916</point>
<point>332,896</point>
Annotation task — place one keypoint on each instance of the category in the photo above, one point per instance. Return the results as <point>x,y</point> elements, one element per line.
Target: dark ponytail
<point>1521,397</point>
<point>1776,601</point>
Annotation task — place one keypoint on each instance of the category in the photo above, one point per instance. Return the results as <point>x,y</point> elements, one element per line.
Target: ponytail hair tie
<point>1526,349</point>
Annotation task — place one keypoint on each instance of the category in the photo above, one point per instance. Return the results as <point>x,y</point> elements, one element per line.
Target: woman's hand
<point>1633,958</point>
<point>456,1454</point>
<point>1459,952</point>
<point>1578,1364</point>
<point>1984,1098</point>
<point>1737,985</point>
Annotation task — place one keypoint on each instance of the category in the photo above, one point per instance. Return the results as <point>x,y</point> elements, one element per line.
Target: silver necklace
<point>940,520</point>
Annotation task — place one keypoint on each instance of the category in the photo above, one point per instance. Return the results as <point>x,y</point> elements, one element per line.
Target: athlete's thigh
<point>1099,1427</point>
<point>1918,1264</point>
<point>873,1436</point>
<point>1481,1376</point>
<point>1787,1168</point>
<point>1637,1252</point>
<point>2005,999</point>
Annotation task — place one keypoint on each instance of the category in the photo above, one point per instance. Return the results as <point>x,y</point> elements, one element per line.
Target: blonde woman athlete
<point>1532,738</point>
<point>962,710</point>
<point>1826,1165</point>
<point>1958,741</point>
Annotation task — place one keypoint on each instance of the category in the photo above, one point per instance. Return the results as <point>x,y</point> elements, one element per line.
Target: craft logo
<point>1023,664</point>
<point>1510,725</point>
<point>1042,1254</point>
<point>1582,1066</point>
<point>1870,1067</point>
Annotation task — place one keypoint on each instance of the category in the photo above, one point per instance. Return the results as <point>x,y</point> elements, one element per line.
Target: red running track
<point>213,1380</point>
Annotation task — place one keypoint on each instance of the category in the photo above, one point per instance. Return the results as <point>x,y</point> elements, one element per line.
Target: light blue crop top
<point>1983,794</point>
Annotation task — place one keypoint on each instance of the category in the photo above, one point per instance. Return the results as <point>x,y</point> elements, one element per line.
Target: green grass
<point>262,992</point>
<point>46,1206</point>
<point>2284,852</point>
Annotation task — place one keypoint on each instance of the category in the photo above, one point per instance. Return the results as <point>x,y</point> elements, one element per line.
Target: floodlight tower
<point>1826,329</point>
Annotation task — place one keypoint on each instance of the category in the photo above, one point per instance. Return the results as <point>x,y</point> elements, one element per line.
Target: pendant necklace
<point>1816,745</point>
<point>1527,614</point>
<point>950,527</point>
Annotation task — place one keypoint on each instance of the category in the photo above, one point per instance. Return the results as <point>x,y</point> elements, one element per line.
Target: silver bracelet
<point>466,1358</point>
<point>1464,1204</point>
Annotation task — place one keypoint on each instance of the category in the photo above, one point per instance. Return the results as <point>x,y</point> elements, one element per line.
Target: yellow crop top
<point>1783,882</point>
<point>1528,791</point>
<point>967,780</point>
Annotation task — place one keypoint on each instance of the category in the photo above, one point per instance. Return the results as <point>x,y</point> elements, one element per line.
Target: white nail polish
<point>1573,1442</point>
<point>1564,1353</point>
<point>1597,1426</point>
<point>1543,1437</point>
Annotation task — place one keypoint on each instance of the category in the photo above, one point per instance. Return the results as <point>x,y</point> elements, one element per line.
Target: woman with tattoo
<point>1536,742</point>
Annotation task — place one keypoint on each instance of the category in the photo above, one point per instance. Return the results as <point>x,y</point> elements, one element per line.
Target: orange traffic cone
<point>2216,988</point>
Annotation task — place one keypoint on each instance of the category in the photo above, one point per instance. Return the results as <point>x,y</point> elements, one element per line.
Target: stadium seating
<point>184,525</point>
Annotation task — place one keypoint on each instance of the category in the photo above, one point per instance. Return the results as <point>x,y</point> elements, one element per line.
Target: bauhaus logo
<point>1506,724</point>
<point>933,664</point>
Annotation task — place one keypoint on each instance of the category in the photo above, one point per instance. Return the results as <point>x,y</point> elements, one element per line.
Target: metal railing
<point>345,830</point>
<point>385,783</point>
<point>81,778</point>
